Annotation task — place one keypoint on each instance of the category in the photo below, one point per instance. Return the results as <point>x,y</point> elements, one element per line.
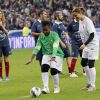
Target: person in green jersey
<point>52,56</point>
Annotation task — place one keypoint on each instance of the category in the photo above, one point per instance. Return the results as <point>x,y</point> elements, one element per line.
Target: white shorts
<point>90,53</point>
<point>57,65</point>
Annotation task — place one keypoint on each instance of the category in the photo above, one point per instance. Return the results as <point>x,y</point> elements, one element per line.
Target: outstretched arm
<point>35,51</point>
<point>31,59</point>
<point>55,44</point>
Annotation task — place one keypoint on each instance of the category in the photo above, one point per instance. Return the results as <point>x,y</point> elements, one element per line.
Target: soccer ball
<point>35,92</point>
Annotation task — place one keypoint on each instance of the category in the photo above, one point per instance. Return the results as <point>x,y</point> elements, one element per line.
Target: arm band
<point>90,38</point>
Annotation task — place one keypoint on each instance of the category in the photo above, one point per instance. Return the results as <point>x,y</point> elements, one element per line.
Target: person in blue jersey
<point>59,27</point>
<point>36,29</point>
<point>76,42</point>
<point>4,46</point>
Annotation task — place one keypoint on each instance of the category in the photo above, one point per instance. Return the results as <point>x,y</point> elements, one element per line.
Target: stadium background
<point>21,13</point>
<point>22,78</point>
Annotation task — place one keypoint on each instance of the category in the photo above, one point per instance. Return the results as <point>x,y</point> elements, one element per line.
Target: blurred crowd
<point>23,12</point>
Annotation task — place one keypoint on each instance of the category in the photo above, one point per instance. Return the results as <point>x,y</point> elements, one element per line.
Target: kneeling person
<point>52,56</point>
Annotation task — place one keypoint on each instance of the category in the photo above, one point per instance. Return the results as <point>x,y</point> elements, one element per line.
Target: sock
<point>1,69</point>
<point>87,71</point>
<point>7,68</point>
<point>73,63</point>
<point>92,76</point>
<point>69,69</point>
<point>56,80</point>
<point>45,79</point>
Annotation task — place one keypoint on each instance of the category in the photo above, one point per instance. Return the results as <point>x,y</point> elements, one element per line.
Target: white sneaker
<point>7,79</point>
<point>57,90</point>
<point>91,88</point>
<point>45,90</point>
<point>84,74</point>
<point>1,79</point>
<point>86,87</point>
<point>73,75</point>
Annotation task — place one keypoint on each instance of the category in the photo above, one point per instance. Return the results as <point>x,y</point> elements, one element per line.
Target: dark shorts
<point>76,51</point>
<point>5,50</point>
<point>66,52</point>
<point>39,55</point>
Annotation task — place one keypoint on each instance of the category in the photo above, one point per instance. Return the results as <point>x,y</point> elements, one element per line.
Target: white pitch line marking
<point>24,97</point>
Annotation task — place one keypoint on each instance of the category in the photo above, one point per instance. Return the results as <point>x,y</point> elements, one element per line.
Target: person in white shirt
<point>90,46</point>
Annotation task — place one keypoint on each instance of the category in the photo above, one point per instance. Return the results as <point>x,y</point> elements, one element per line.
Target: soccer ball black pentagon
<point>35,92</point>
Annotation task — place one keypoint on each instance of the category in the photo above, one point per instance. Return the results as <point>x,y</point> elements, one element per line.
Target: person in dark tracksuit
<point>36,29</point>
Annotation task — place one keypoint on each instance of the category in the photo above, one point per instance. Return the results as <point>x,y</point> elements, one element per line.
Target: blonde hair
<point>3,18</point>
<point>57,14</point>
<point>79,10</point>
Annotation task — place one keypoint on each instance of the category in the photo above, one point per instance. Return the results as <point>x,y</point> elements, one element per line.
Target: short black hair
<point>46,23</point>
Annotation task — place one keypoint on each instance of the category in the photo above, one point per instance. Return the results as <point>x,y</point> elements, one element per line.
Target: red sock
<point>0,69</point>
<point>7,68</point>
<point>73,63</point>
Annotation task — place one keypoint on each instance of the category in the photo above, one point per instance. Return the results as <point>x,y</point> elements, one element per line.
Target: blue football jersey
<point>36,27</point>
<point>73,29</point>
<point>60,29</point>
<point>4,41</point>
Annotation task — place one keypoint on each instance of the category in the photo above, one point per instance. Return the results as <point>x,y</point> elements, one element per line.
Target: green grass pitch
<point>23,78</point>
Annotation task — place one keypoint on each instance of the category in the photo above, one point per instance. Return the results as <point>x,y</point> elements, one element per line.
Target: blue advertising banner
<point>17,41</point>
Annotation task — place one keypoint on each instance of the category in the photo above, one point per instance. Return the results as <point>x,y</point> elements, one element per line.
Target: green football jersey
<point>49,45</point>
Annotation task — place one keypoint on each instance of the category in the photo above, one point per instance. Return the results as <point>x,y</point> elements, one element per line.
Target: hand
<point>30,61</point>
<point>82,47</point>
<point>63,45</point>
<point>1,24</point>
<point>53,59</point>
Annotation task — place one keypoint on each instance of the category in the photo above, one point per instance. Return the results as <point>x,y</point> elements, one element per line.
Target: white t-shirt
<point>86,27</point>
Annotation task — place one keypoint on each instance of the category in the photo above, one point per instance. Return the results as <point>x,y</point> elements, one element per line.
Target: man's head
<point>58,16</point>
<point>46,27</point>
<point>42,14</point>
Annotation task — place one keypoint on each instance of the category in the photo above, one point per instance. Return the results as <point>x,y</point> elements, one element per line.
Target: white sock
<point>87,71</point>
<point>45,79</point>
<point>56,80</point>
<point>93,76</point>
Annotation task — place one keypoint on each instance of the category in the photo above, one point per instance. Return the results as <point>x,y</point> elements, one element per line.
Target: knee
<point>91,63</point>
<point>0,59</point>
<point>84,62</point>
<point>45,68</point>
<point>6,58</point>
<point>54,71</point>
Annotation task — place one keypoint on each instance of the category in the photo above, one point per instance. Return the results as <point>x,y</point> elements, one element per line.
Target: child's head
<point>46,27</point>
